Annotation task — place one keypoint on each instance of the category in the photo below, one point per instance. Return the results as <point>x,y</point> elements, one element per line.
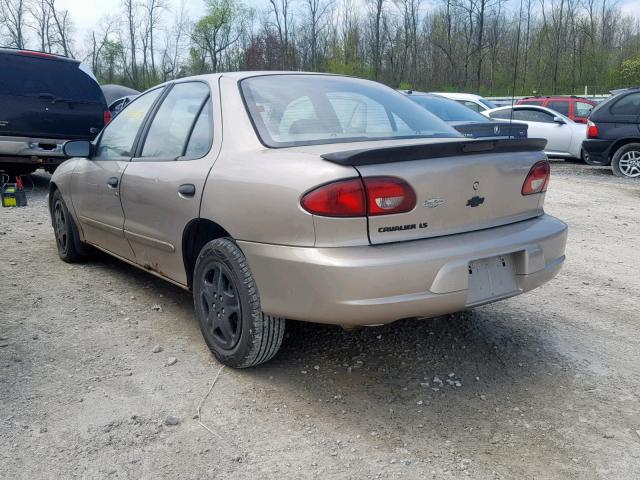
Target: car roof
<point>458,96</point>
<point>557,97</point>
<point>22,52</point>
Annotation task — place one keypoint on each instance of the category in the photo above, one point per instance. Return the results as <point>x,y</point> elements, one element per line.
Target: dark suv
<point>45,100</point>
<point>613,134</point>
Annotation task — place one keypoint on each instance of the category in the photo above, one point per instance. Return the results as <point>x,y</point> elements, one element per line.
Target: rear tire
<point>70,249</point>
<point>626,161</point>
<point>227,306</point>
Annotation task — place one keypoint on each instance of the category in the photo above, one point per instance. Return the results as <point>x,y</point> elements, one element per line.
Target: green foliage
<point>630,71</point>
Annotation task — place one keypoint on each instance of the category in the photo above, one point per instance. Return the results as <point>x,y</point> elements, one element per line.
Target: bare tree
<point>13,18</point>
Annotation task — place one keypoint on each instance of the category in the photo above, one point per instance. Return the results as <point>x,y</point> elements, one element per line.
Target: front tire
<point>66,233</point>
<point>626,161</point>
<point>227,306</point>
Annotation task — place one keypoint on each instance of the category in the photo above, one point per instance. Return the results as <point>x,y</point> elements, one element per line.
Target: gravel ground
<point>541,386</point>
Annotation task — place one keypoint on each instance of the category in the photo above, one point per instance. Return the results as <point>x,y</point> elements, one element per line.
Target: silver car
<point>312,197</point>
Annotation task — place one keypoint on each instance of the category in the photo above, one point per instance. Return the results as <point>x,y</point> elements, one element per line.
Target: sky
<point>87,13</point>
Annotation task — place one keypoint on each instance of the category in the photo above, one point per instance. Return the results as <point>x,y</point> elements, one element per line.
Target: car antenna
<point>515,71</point>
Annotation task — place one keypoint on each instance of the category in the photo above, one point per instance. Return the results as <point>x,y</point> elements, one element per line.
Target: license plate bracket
<point>491,278</point>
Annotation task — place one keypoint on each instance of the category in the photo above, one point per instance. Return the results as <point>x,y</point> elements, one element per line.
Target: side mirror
<point>559,120</point>
<point>78,148</point>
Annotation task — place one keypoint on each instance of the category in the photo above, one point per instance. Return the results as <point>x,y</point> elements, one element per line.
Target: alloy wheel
<point>629,163</point>
<point>221,306</point>
<point>60,222</point>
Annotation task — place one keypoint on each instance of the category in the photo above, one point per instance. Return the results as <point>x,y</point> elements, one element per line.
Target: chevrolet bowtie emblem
<point>475,201</point>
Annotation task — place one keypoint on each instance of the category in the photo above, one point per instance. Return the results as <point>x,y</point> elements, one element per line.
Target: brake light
<point>537,179</point>
<point>37,54</point>
<point>357,198</point>
<point>107,117</point>
<point>592,130</point>
<point>387,195</point>
<point>344,198</point>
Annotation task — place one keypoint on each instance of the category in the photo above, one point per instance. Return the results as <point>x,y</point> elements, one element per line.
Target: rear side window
<point>447,110</point>
<point>471,105</point>
<point>118,137</point>
<point>173,122</point>
<point>202,134</point>
<point>533,102</point>
<point>26,76</point>
<point>560,106</point>
<point>582,109</point>
<point>627,105</point>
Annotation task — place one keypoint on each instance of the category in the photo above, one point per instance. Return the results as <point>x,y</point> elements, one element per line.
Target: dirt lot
<point>546,385</point>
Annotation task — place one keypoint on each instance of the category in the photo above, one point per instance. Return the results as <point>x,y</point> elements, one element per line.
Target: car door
<point>96,181</point>
<point>542,125</point>
<point>162,186</point>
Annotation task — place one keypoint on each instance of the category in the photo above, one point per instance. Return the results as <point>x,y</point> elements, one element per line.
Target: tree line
<point>492,47</point>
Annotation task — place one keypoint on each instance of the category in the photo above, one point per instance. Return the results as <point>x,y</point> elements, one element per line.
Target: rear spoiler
<point>405,153</point>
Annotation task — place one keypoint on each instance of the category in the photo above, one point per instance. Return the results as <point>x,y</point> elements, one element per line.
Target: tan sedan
<point>314,197</point>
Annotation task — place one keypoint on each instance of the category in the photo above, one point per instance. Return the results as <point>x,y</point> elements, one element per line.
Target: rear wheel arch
<point>196,235</point>
<point>621,143</point>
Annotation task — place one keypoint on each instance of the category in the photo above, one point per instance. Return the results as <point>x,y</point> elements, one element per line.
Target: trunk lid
<point>460,185</point>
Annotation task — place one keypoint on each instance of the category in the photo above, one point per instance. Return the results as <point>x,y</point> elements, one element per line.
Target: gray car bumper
<point>370,285</point>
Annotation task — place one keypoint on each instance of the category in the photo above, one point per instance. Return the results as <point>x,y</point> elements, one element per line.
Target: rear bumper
<point>597,149</point>
<point>370,285</point>
<point>31,147</point>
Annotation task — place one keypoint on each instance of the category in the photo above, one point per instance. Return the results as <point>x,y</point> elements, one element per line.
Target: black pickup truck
<point>45,100</point>
<point>613,133</point>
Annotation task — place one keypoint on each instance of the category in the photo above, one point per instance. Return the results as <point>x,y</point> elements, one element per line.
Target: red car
<point>576,108</point>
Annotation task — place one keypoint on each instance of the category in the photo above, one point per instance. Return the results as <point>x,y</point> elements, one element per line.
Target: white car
<point>564,136</point>
<point>469,100</point>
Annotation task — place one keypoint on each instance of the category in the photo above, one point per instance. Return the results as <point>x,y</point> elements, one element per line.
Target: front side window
<point>561,106</point>
<point>527,115</point>
<point>627,105</point>
<point>582,109</point>
<point>119,136</point>
<point>172,124</point>
<point>292,110</point>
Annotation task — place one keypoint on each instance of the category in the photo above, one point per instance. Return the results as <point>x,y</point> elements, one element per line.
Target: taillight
<point>344,198</point>
<point>358,198</point>
<point>107,117</point>
<point>592,130</point>
<point>537,179</point>
<point>387,195</point>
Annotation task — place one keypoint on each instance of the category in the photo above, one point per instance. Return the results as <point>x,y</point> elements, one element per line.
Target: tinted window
<point>290,110</point>
<point>172,123</point>
<point>560,106</point>
<point>202,135</point>
<point>22,75</point>
<point>487,103</point>
<point>533,116</point>
<point>470,105</point>
<point>582,109</point>
<point>524,115</point>
<point>118,137</point>
<point>447,110</point>
<point>627,105</point>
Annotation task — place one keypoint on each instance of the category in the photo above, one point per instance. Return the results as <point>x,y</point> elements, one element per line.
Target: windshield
<point>292,110</point>
<point>447,110</point>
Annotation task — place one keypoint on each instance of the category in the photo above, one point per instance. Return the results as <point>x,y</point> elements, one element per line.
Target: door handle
<point>113,182</point>
<point>187,190</point>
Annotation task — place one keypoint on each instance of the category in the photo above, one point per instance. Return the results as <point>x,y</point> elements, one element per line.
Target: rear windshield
<point>447,110</point>
<point>292,110</point>
<point>25,76</point>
